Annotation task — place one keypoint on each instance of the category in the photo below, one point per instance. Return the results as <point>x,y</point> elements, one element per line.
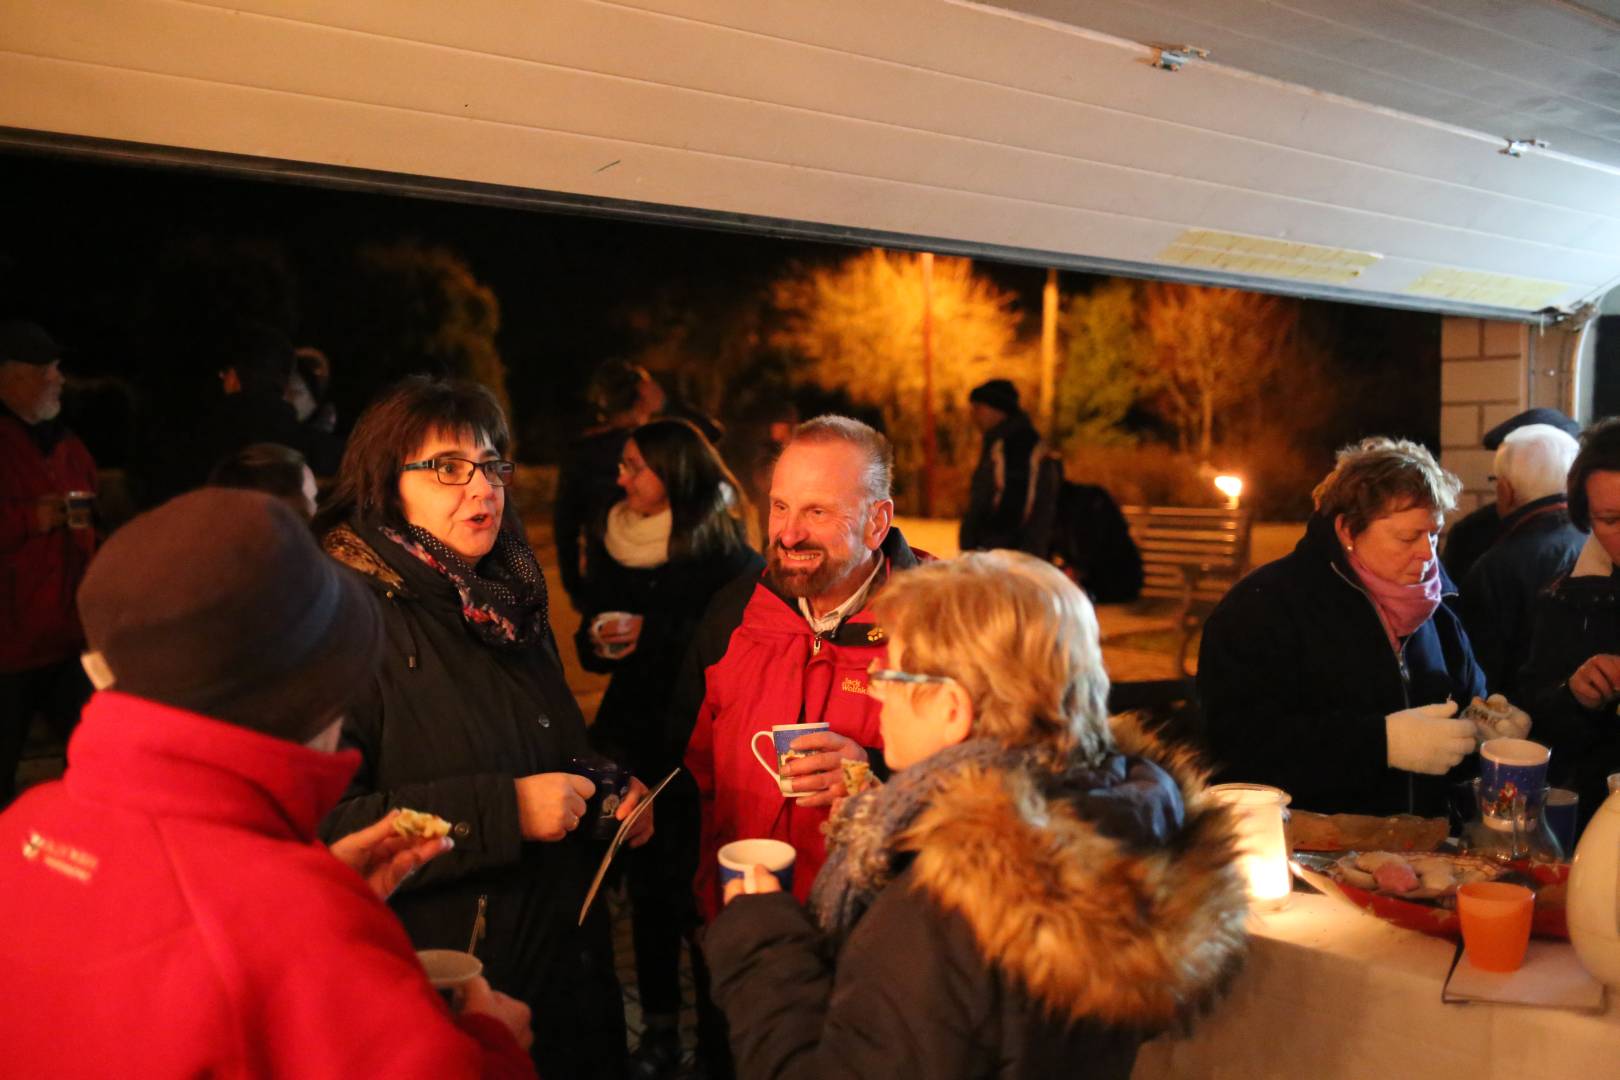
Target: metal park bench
<point>1190,555</point>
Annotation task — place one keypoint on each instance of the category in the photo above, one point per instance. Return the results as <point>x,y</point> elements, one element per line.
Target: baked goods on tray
<point>1309,831</point>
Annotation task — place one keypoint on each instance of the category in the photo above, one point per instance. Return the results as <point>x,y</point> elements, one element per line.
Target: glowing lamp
<point>1263,848</point>
<point>1231,487</point>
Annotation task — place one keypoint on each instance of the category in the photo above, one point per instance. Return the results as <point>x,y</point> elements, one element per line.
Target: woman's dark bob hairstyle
<point>705,500</point>
<point>1600,452</point>
<point>392,429</point>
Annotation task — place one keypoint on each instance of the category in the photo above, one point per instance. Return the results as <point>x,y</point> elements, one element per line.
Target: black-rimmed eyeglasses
<point>459,471</point>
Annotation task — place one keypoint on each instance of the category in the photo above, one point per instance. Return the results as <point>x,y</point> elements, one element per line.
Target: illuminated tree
<point>859,325</point>
<point>1104,370</point>
<point>1210,352</point>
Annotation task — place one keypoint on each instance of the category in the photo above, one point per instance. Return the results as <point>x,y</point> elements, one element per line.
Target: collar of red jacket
<point>164,761</point>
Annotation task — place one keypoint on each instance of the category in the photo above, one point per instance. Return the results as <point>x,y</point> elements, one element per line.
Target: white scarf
<point>638,540</point>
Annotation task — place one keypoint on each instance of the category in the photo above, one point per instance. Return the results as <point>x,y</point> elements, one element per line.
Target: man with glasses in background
<point>792,647</point>
<point>47,535</point>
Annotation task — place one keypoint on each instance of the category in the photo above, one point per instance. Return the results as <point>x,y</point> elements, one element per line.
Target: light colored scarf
<point>1402,608</point>
<point>638,540</point>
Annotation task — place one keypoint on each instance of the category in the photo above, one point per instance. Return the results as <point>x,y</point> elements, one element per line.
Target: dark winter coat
<point>40,572</point>
<point>448,725</point>
<point>1578,618</point>
<point>1296,676</point>
<point>1469,537</point>
<point>1000,492</point>
<point>1536,545</point>
<point>671,600</point>
<point>1027,936</point>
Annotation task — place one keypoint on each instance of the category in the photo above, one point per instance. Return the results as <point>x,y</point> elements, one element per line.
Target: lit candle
<point>1263,855</point>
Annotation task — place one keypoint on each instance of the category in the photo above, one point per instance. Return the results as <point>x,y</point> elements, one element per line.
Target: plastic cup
<point>1495,923</point>
<point>448,971</point>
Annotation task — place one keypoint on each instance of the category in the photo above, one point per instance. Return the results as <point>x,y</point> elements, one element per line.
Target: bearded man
<point>793,647</point>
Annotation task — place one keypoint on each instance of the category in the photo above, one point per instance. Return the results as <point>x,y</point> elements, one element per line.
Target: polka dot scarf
<point>503,598</point>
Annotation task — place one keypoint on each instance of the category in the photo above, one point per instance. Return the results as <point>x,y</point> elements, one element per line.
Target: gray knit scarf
<point>861,837</point>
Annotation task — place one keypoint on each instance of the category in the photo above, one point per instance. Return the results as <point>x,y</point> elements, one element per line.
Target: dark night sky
<point>78,241</point>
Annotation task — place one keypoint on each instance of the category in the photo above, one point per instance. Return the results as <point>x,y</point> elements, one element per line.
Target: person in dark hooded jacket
<point>1336,673</point>
<point>469,716</point>
<point>1031,894</point>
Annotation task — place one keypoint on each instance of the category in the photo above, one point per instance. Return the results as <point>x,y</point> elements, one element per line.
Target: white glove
<point>1427,739</point>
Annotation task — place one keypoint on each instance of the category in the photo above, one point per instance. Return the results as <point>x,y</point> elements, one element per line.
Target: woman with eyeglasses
<point>676,537</point>
<point>1033,892</point>
<point>470,717</point>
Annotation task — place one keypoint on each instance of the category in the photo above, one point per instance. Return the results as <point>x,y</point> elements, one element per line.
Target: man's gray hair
<point>878,474</point>
<point>1535,459</point>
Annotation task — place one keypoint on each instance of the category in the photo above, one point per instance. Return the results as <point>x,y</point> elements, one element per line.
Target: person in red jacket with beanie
<point>44,547</point>
<point>174,914</point>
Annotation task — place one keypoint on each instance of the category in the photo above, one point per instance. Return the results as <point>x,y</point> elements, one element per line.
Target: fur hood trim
<point>346,546</point>
<point>1090,927</point>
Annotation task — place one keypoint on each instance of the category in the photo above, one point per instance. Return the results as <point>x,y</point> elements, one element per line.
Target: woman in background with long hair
<point>676,537</point>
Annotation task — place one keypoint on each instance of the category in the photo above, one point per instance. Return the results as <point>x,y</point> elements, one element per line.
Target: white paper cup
<point>449,971</point>
<point>606,621</point>
<point>776,856</point>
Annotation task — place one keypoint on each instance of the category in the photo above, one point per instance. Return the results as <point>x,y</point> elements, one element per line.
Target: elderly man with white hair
<point>1536,546</point>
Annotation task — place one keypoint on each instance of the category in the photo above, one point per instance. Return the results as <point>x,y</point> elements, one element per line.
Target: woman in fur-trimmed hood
<point>1033,893</point>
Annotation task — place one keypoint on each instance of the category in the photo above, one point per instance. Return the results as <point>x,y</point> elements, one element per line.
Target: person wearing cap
<point>1003,487</point>
<point>1472,535</point>
<point>172,912</point>
<point>44,548</point>
<point>1535,546</point>
<point>1571,680</point>
<point>469,716</point>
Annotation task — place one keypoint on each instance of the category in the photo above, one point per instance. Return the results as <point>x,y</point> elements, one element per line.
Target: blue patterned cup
<point>782,736</point>
<point>1512,776</point>
<point>776,856</point>
<point>612,782</point>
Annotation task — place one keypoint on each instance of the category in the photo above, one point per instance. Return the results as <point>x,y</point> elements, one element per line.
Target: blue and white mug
<point>1512,777</point>
<point>782,736</point>
<point>776,856</point>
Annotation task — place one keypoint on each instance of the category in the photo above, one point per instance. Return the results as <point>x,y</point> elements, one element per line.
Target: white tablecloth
<point>1332,992</point>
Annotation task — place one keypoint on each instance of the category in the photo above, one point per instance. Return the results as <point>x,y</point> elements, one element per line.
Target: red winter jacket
<point>770,669</point>
<point>172,915</point>
<point>39,572</point>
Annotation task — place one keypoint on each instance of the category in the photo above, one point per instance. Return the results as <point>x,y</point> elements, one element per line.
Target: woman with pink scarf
<point>1337,672</point>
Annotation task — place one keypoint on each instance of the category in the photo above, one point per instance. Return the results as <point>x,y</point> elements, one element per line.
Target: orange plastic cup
<point>1495,923</point>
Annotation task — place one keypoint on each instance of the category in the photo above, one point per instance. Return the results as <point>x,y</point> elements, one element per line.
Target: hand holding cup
<point>819,775</point>
<point>550,805</point>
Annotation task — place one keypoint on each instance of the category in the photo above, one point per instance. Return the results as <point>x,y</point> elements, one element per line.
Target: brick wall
<point>1484,379</point>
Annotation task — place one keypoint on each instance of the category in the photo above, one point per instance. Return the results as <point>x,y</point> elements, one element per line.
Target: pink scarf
<point>1402,608</point>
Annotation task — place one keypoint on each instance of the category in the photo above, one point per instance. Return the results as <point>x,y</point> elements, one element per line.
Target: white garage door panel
<point>915,116</point>
<point>853,59</point>
<point>456,82</point>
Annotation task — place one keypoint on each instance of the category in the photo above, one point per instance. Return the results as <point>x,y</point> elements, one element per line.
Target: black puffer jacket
<point>1037,930</point>
<point>1295,675</point>
<point>1536,546</point>
<point>671,600</point>
<point>448,725</point>
<point>1578,618</point>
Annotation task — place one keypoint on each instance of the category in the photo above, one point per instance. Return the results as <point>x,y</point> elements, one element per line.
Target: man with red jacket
<point>43,548</point>
<point>794,648</point>
<point>172,912</point>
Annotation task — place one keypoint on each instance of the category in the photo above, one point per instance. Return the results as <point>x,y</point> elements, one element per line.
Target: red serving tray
<point>1427,917</point>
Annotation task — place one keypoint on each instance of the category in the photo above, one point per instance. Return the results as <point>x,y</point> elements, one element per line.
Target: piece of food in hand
<point>1492,717</point>
<point>415,823</point>
<point>857,776</point>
